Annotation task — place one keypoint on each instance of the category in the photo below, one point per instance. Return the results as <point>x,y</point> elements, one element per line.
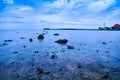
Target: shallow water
<point>95,54</point>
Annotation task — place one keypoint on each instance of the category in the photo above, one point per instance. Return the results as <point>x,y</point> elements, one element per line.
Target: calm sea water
<point>89,48</point>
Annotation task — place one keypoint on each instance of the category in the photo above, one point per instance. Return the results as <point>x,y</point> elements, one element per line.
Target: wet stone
<point>8,40</point>
<point>104,43</point>
<point>30,39</point>
<point>78,66</point>
<point>15,52</point>
<point>46,72</point>
<point>56,34</point>
<point>105,76</point>
<point>70,47</point>
<point>23,38</point>
<point>36,51</point>
<point>53,56</point>
<point>3,44</point>
<point>24,46</point>
<point>40,71</point>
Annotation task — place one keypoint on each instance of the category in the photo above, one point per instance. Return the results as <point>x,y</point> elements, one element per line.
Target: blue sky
<point>37,14</point>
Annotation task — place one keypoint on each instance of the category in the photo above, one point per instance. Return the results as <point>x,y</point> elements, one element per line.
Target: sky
<point>38,14</point>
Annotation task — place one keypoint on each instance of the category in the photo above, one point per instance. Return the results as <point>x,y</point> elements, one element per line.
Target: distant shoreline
<point>77,29</point>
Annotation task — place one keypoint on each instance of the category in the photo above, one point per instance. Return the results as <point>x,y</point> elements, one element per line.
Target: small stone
<point>8,40</point>
<point>104,43</point>
<point>105,76</point>
<point>22,38</point>
<point>40,71</point>
<point>24,46</point>
<point>30,39</point>
<point>56,34</point>
<point>36,51</point>
<point>46,72</point>
<point>97,51</point>
<point>53,56</point>
<point>15,52</point>
<point>70,47</point>
<point>78,65</point>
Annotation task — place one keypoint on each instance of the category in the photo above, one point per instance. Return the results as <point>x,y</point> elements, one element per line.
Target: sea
<point>95,53</point>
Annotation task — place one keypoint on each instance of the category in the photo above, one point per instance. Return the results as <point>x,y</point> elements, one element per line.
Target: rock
<point>15,52</point>
<point>40,71</point>
<point>30,39</point>
<point>36,51</point>
<point>53,56</point>
<point>3,44</point>
<point>105,76</point>
<point>46,72</point>
<point>104,43</point>
<point>24,46</point>
<point>22,38</point>
<point>70,47</point>
<point>56,34</point>
<point>40,37</point>
<point>62,41</point>
<point>8,40</point>
<point>78,66</point>
<point>97,51</point>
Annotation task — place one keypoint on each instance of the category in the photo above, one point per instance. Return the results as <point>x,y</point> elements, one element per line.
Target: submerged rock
<point>40,37</point>
<point>62,41</point>
<point>70,47</point>
<point>8,40</point>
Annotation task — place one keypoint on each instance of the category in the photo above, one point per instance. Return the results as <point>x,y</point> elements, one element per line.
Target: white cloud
<point>8,1</point>
<point>100,5</point>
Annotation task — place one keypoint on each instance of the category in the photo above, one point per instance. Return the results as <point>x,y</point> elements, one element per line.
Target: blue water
<point>88,50</point>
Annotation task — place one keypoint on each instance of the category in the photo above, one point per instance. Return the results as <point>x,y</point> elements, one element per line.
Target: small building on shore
<point>116,27</point>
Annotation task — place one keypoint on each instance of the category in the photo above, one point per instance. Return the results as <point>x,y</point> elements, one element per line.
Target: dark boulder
<point>62,41</point>
<point>40,37</point>
<point>70,47</point>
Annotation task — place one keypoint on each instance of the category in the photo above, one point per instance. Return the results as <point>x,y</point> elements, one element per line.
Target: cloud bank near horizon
<point>18,14</point>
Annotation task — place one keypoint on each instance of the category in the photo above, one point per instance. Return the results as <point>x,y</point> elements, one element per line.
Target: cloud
<point>8,1</point>
<point>60,13</point>
<point>100,5</point>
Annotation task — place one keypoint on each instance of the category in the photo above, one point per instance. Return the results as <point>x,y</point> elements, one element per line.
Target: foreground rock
<point>70,47</point>
<point>62,41</point>
<point>40,37</point>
